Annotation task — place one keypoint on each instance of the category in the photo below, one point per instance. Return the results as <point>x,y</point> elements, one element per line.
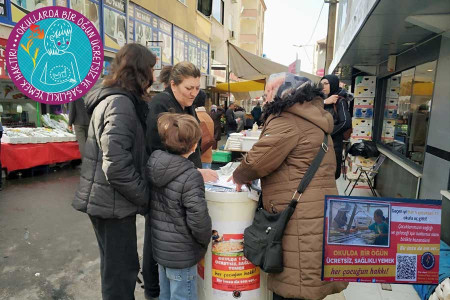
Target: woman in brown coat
<point>290,140</point>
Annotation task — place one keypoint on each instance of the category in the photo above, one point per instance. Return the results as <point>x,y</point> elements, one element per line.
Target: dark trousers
<point>81,133</point>
<point>149,266</point>
<point>338,152</point>
<point>278,297</point>
<point>119,261</point>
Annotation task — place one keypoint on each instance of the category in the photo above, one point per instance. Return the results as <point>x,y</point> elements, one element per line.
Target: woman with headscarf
<point>336,104</point>
<point>293,132</point>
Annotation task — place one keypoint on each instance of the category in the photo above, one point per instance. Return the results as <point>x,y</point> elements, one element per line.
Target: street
<point>48,250</point>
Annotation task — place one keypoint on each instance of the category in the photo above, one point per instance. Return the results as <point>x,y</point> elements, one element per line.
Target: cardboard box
<point>390,114</point>
<point>364,101</point>
<point>389,124</point>
<point>366,81</point>
<point>392,103</point>
<point>357,122</point>
<point>394,82</point>
<point>362,112</point>
<point>364,91</point>
<point>362,133</point>
<point>393,92</point>
<point>388,133</point>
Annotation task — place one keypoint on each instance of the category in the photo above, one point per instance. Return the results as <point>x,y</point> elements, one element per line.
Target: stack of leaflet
<point>234,142</point>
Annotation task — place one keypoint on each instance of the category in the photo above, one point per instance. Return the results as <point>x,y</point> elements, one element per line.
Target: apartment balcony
<point>248,38</point>
<point>249,14</point>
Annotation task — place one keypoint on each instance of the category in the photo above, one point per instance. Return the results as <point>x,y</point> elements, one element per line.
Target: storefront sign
<point>232,274</point>
<point>117,4</point>
<point>157,52</point>
<point>54,55</point>
<point>381,240</point>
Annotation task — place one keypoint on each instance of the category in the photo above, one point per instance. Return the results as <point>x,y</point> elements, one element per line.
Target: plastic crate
<point>221,156</point>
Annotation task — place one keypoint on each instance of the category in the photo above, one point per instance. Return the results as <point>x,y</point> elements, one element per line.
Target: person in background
<point>177,98</point>
<point>164,76</point>
<point>204,117</point>
<point>216,114</point>
<point>380,227</point>
<point>79,121</point>
<point>337,105</point>
<point>293,133</point>
<point>113,188</point>
<point>239,112</point>
<point>232,121</point>
<point>256,114</point>
<point>1,134</point>
<point>180,222</point>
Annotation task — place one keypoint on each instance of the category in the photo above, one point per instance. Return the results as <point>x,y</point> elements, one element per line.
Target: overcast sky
<point>289,22</point>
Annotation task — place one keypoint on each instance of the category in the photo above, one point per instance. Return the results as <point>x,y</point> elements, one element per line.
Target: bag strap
<point>311,171</point>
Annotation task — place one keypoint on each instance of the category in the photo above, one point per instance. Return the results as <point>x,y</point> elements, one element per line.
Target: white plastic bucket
<point>225,274</point>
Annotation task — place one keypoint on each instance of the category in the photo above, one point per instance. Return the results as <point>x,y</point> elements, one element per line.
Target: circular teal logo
<point>54,55</point>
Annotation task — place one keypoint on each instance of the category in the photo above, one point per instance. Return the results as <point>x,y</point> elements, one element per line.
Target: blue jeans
<point>178,284</point>
<point>206,165</point>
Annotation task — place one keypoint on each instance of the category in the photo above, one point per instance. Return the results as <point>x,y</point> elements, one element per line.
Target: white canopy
<point>246,65</point>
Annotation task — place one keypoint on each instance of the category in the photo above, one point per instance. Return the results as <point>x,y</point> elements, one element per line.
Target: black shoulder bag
<point>262,240</point>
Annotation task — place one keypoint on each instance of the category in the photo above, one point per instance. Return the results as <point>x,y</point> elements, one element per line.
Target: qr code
<point>406,267</point>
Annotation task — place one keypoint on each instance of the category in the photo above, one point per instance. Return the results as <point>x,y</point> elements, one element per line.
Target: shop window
<point>218,10</point>
<point>89,9</point>
<point>407,111</point>
<point>205,7</point>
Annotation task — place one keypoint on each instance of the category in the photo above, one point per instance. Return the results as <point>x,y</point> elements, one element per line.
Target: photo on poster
<point>178,51</point>
<point>115,26</point>
<point>193,54</point>
<point>31,5</point>
<point>226,246</point>
<point>88,9</point>
<point>358,224</point>
<point>166,46</point>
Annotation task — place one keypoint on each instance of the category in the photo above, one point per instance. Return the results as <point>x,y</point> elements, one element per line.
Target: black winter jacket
<point>342,121</point>
<point>161,103</point>
<point>180,222</point>
<point>112,183</point>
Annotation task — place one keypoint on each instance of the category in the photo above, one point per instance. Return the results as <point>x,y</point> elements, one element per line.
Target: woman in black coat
<point>337,105</point>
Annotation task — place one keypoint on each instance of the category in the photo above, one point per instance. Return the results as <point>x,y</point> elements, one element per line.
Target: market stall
<point>25,156</point>
<point>31,138</point>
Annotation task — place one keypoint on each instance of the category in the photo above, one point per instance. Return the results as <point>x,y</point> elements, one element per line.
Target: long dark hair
<point>132,70</point>
<point>305,93</point>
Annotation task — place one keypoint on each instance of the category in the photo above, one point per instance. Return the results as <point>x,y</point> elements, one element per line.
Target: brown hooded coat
<point>288,144</point>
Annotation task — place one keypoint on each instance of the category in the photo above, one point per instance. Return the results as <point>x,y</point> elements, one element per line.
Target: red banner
<point>24,156</point>
<point>381,240</point>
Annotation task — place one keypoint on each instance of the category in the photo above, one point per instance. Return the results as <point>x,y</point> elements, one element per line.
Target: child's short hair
<point>178,132</point>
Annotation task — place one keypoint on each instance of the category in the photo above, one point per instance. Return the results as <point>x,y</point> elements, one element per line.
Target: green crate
<point>221,156</point>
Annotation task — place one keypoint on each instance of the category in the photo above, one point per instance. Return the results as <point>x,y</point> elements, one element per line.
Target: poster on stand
<point>233,275</point>
<point>383,240</point>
